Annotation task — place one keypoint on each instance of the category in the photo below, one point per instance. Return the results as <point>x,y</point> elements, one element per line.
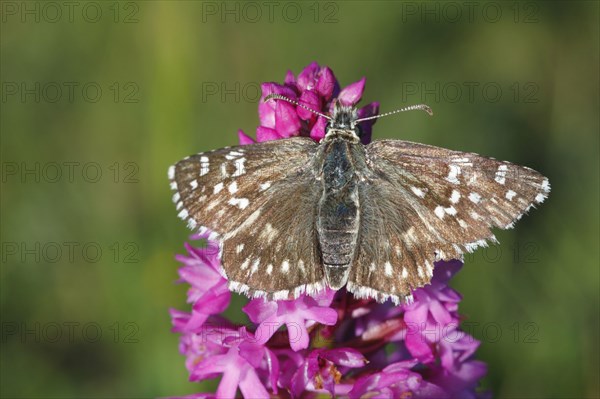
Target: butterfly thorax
<point>338,209</point>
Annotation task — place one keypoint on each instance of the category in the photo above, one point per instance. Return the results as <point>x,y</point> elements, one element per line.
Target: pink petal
<point>298,335</point>
<point>326,83</point>
<point>307,78</point>
<point>300,379</point>
<point>266,134</point>
<point>440,314</point>
<point>318,131</point>
<point>202,278</point>
<point>211,303</point>
<point>418,347</point>
<point>266,110</point>
<point>324,297</point>
<point>311,100</point>
<point>352,93</point>
<point>345,357</point>
<point>273,365</point>
<point>244,139</point>
<point>250,385</point>
<point>195,323</point>
<point>290,79</point>
<point>400,366</point>
<point>229,383</point>
<point>179,319</point>
<point>321,315</point>
<point>209,367</point>
<point>266,330</point>
<point>287,122</point>
<point>259,310</point>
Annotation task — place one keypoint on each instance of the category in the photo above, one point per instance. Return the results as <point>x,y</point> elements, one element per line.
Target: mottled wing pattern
<point>240,194</point>
<point>422,203</point>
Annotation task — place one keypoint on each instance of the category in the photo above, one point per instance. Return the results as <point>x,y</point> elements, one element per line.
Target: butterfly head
<point>343,120</point>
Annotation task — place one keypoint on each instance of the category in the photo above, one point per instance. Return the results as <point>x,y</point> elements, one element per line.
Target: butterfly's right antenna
<point>421,107</point>
<point>289,100</point>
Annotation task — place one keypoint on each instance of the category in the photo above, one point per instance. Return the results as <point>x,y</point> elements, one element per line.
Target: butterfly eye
<point>358,130</point>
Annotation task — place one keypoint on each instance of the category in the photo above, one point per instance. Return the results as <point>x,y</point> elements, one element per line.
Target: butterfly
<point>294,216</point>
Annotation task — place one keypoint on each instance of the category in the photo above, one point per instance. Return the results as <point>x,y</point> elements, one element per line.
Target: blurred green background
<point>99,98</point>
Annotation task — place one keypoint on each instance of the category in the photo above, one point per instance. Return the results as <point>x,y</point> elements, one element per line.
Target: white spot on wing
<point>194,184</point>
<point>245,265</point>
<point>455,196</point>
<point>463,160</point>
<point>191,223</point>
<point>546,185</point>
<point>418,192</point>
<point>501,174</point>
<point>470,247</point>
<point>233,155</point>
<point>285,266</point>
<point>429,268</point>
<point>404,273</point>
<point>453,174</point>
<point>301,266</point>
<point>439,211</point>
<point>171,172</point>
<point>269,269</point>
<point>183,214</point>
<point>270,232</point>
<point>233,188</point>
<point>240,169</point>
<point>224,170</point>
<point>281,295</point>
<point>264,186</point>
<point>475,198</point>
<point>239,248</point>
<point>241,203</point>
<point>388,269</point>
<point>204,165</point>
<point>255,266</point>
<point>218,188</point>
<point>510,195</point>
<point>540,198</point>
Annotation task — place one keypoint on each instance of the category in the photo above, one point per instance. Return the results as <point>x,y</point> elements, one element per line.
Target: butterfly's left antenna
<point>421,107</point>
<point>289,100</point>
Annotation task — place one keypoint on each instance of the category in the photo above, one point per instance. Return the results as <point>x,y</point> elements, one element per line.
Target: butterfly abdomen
<point>338,216</point>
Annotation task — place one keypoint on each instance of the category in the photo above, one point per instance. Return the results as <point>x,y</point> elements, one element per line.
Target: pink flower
<point>295,314</point>
<point>396,381</point>
<point>433,315</point>
<point>334,343</point>
<point>238,365</point>
<point>208,291</point>
<point>315,88</point>
<point>319,370</point>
